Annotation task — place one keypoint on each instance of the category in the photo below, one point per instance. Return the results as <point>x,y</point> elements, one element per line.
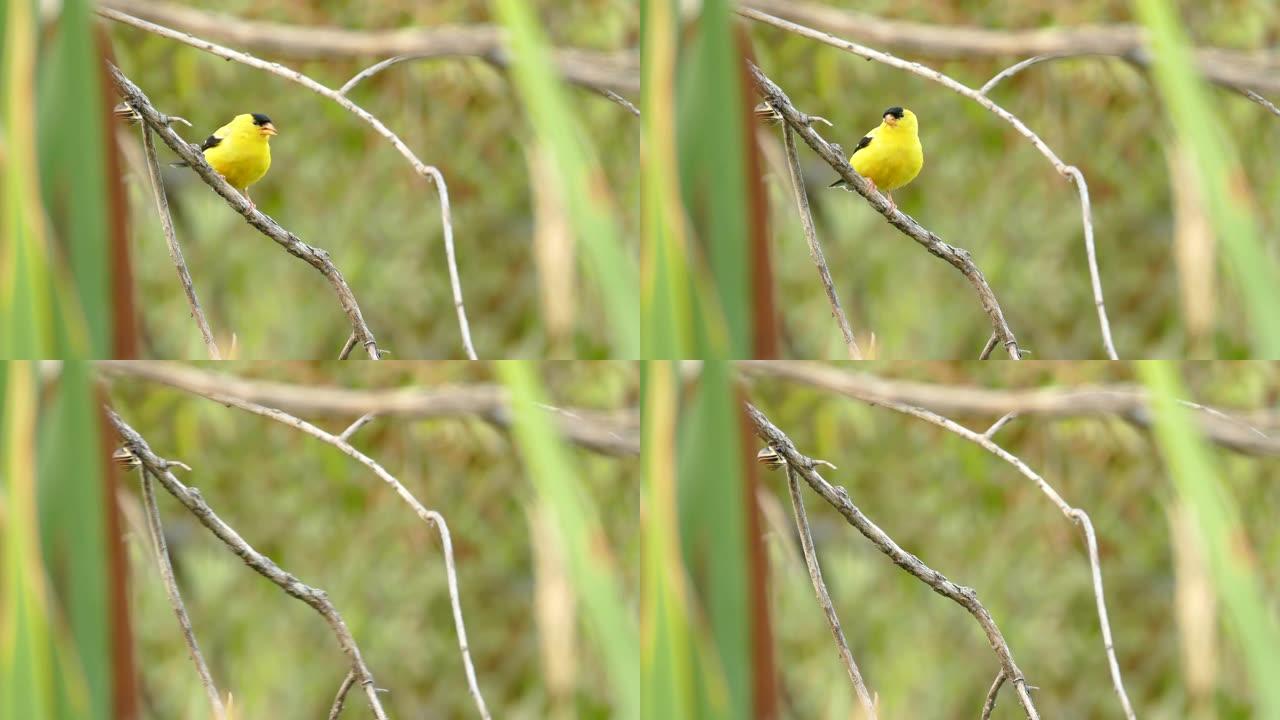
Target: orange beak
<point>890,120</point>
<point>269,129</point>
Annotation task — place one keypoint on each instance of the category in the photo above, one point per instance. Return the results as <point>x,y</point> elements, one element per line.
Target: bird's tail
<point>840,183</point>
<point>180,163</point>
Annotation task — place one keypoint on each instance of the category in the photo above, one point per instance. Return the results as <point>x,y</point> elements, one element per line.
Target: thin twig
<point>815,248</point>
<point>359,423</point>
<point>1262,101</point>
<point>171,238</point>
<point>376,68</point>
<point>990,703</point>
<point>992,343</point>
<point>592,69</point>
<point>429,172</point>
<point>347,347</point>
<point>1019,67</point>
<point>1091,254</point>
<point>1107,642</point>
<point>609,433</point>
<point>341,698</point>
<point>957,257</point>
<point>430,517</point>
<point>1229,68</point>
<point>824,598</point>
<point>1129,403</point>
<point>839,499</point>
<point>1075,514</point>
<point>1084,193</point>
<point>1016,68</point>
<point>263,565</point>
<point>621,101</point>
<point>161,549</point>
<point>313,256</point>
<point>1067,171</point>
<point>995,426</point>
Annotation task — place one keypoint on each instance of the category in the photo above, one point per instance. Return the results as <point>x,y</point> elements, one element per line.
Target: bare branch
<point>1108,643</point>
<point>430,517</point>
<point>341,698</point>
<point>1123,401</point>
<point>175,250</point>
<point>815,248</point>
<point>839,499</point>
<point>1230,68</point>
<point>359,423</point>
<point>347,347</point>
<point>621,101</point>
<point>428,172</point>
<point>604,432</point>
<point>314,597</point>
<point>313,256</point>
<point>1075,514</point>
<point>374,69</point>
<point>595,70</point>
<point>990,703</point>
<point>383,65</point>
<point>957,257</point>
<point>1262,101</point>
<point>824,598</point>
<point>161,549</point>
<point>1067,171</point>
<point>990,347</point>
<point>1016,68</point>
<point>1004,420</point>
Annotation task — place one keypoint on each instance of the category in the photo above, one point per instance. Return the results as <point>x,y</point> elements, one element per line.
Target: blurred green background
<point>327,519</point>
<point>985,188</point>
<point>973,518</point>
<point>338,185</point>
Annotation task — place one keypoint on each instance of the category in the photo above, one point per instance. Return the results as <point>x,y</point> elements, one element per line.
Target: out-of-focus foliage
<point>695,296</point>
<point>984,187</point>
<point>328,520</point>
<point>57,651</point>
<point>699,626</point>
<point>1216,158</point>
<point>577,175</point>
<point>54,223</point>
<point>1214,521</point>
<point>974,518</point>
<point>573,514</point>
<point>339,185</point>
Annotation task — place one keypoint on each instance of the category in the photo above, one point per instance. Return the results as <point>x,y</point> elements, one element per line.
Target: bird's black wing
<point>209,142</point>
<point>865,141</point>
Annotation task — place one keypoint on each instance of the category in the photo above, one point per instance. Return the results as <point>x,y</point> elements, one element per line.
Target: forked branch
<point>263,565</point>
<point>158,123</point>
<point>957,257</point>
<point>428,172</point>
<point>839,499</point>
<point>1067,171</point>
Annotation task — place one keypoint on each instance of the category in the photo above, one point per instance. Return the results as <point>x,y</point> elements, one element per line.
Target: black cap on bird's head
<point>264,122</point>
<point>893,115</point>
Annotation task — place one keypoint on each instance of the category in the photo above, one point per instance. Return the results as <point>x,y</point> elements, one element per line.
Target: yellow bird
<point>239,150</point>
<point>890,156</point>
